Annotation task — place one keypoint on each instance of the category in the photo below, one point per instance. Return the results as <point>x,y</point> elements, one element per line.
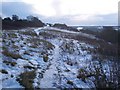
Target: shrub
<point>11,63</point>
<point>26,52</point>
<point>69,63</point>
<point>82,74</point>
<point>3,71</point>
<point>15,47</point>
<point>109,35</point>
<point>26,79</point>
<point>31,33</point>
<point>12,76</point>
<point>29,67</point>
<point>10,54</point>
<point>4,48</point>
<point>47,44</point>
<point>47,35</point>
<point>37,42</point>
<point>67,70</point>
<point>45,58</point>
<point>101,80</point>
<point>69,82</point>
<point>12,35</point>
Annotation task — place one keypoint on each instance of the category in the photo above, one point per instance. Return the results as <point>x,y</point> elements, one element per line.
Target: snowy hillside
<point>49,57</point>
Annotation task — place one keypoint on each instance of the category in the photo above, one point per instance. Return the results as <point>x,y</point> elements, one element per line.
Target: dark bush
<point>109,35</point>
<point>17,23</point>
<point>11,54</point>
<point>26,79</point>
<point>3,71</point>
<point>11,63</point>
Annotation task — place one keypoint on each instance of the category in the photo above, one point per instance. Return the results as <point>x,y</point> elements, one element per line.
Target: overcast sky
<point>70,12</point>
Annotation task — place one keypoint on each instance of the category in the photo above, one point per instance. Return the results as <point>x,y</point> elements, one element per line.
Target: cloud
<point>19,8</point>
<point>73,7</point>
<point>85,19</point>
<point>71,12</point>
<point>119,13</point>
<point>10,0</point>
<point>57,7</point>
<point>109,19</point>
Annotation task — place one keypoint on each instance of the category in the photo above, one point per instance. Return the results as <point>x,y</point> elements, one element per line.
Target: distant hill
<point>16,23</point>
<point>64,26</point>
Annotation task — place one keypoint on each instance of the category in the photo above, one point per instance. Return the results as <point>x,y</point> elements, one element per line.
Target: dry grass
<point>31,33</point>
<point>29,67</point>
<point>101,46</point>
<point>47,35</point>
<point>45,58</point>
<point>101,80</point>
<point>10,63</point>
<point>26,79</point>
<point>12,35</point>
<point>15,47</point>
<point>3,71</point>
<point>11,54</point>
<point>0,34</point>
<point>40,42</point>
<point>69,82</point>
<point>82,74</point>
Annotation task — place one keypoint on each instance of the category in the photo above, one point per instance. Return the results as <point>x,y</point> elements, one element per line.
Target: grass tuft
<point>45,58</point>
<point>11,63</point>
<point>26,79</point>
<point>69,82</point>
<point>11,54</point>
<point>3,71</point>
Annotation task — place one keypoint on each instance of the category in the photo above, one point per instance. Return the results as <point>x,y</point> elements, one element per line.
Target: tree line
<point>16,23</point>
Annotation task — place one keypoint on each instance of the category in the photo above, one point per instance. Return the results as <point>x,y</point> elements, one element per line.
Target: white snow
<point>11,83</point>
<point>38,30</point>
<point>48,78</point>
<point>80,28</point>
<point>62,65</point>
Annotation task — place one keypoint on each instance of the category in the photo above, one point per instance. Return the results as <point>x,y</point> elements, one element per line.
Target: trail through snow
<point>49,76</point>
<point>69,61</point>
<point>65,31</point>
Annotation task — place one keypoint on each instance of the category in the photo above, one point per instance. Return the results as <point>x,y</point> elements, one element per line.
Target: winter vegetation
<point>16,23</point>
<point>35,56</point>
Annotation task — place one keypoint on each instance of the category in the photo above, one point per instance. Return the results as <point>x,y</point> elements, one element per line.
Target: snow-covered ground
<point>65,31</point>
<point>58,62</point>
<point>48,78</point>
